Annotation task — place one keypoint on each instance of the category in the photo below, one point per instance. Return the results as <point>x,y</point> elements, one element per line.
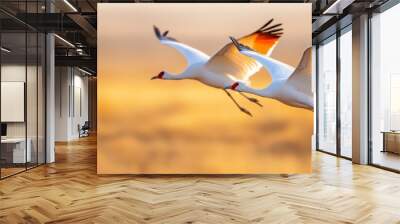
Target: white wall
<point>12,73</point>
<point>33,126</point>
<point>62,82</point>
<point>9,73</point>
<point>83,83</point>
<point>71,102</point>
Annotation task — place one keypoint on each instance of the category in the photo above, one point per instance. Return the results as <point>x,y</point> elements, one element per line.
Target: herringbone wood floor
<point>69,191</point>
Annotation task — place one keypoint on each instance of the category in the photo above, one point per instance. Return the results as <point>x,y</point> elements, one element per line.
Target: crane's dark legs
<point>251,99</point>
<point>240,108</point>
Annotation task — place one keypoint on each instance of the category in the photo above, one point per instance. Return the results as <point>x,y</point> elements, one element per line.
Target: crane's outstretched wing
<point>277,69</point>
<point>301,78</point>
<point>229,61</point>
<point>192,55</point>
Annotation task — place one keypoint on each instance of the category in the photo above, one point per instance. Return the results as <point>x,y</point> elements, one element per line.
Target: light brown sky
<point>184,126</point>
<point>126,30</point>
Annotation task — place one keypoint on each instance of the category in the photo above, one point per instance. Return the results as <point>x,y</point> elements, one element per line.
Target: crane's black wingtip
<point>165,33</point>
<point>270,28</point>
<point>157,31</point>
<point>266,24</point>
<point>162,36</point>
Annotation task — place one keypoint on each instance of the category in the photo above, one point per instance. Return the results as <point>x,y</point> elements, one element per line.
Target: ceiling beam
<point>81,61</point>
<point>337,7</point>
<point>84,24</point>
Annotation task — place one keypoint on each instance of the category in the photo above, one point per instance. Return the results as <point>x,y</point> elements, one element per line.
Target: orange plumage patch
<point>263,43</point>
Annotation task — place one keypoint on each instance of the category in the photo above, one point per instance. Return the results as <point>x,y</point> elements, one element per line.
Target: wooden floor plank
<point>70,191</point>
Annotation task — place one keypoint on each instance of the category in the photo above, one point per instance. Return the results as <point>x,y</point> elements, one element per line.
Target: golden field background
<point>181,127</point>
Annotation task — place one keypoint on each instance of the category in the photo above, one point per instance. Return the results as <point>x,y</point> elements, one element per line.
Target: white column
<point>50,92</point>
<point>50,99</point>
<point>360,90</point>
<point>314,90</point>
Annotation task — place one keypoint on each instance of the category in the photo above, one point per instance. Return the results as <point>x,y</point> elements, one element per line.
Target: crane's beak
<point>159,76</point>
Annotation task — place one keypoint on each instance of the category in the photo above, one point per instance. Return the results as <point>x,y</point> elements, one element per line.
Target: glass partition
<point>346,93</point>
<point>41,106</point>
<point>31,99</point>
<point>327,95</point>
<point>385,89</point>
<point>22,88</point>
<point>13,95</point>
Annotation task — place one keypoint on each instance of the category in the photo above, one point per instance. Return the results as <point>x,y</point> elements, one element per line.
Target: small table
<point>17,152</point>
<point>391,141</point>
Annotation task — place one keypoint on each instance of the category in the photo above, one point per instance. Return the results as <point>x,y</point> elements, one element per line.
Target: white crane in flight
<point>227,66</point>
<point>291,86</point>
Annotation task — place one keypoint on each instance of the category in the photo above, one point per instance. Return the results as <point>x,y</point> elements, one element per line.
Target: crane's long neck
<point>189,73</point>
<point>277,69</point>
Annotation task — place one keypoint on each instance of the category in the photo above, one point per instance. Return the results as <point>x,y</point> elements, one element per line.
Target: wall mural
<point>232,92</point>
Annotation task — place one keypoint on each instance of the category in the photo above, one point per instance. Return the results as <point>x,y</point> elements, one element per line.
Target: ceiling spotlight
<point>337,7</point>
<point>84,71</point>
<point>5,50</point>
<point>65,41</point>
<point>70,5</point>
<point>79,51</point>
